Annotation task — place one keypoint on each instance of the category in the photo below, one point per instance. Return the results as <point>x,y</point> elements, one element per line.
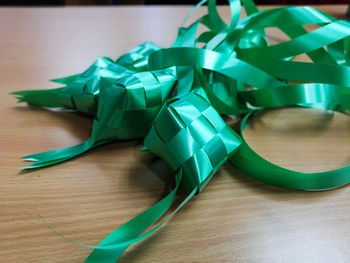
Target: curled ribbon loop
<point>252,164</point>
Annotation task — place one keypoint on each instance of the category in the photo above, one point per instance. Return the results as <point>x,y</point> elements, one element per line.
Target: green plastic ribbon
<point>129,107</point>
<point>187,120</point>
<point>173,99</point>
<point>253,165</point>
<point>82,90</point>
<point>110,249</point>
<point>137,59</point>
<point>189,134</point>
<point>131,96</point>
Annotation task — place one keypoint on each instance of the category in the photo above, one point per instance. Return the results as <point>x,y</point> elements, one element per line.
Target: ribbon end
<point>143,149</point>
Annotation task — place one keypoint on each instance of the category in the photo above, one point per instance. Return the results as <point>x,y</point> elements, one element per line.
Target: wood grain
<point>235,219</point>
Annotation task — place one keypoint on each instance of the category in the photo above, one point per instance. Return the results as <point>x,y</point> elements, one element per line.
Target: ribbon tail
<point>65,80</point>
<point>42,98</point>
<point>60,155</point>
<point>110,249</point>
<point>130,231</point>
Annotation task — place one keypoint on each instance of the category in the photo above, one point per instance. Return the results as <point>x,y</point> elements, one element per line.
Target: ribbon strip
<point>253,165</point>
<point>110,249</point>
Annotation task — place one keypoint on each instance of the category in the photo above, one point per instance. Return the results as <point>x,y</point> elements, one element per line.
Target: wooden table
<point>235,219</point>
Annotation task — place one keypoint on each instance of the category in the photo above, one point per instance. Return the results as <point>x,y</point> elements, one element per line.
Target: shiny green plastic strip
<point>253,165</point>
<point>110,249</point>
<point>332,97</point>
<point>210,60</point>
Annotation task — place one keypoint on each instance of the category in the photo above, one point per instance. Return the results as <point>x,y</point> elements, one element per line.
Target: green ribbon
<point>189,134</point>
<point>187,120</point>
<point>129,106</point>
<point>82,90</point>
<point>253,165</point>
<point>173,97</point>
<point>137,59</point>
<point>128,91</point>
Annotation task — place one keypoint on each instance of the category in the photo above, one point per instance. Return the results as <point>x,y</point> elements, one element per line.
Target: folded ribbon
<point>189,134</point>
<point>129,106</point>
<point>194,140</point>
<point>82,90</point>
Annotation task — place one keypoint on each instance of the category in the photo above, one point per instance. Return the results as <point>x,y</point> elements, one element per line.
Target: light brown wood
<point>235,218</point>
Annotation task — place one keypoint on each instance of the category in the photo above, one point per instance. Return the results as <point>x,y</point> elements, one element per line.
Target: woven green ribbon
<point>189,134</point>
<point>82,90</point>
<point>173,99</point>
<point>126,95</point>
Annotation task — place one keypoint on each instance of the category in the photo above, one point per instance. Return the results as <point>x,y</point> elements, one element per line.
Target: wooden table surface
<point>235,218</point>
